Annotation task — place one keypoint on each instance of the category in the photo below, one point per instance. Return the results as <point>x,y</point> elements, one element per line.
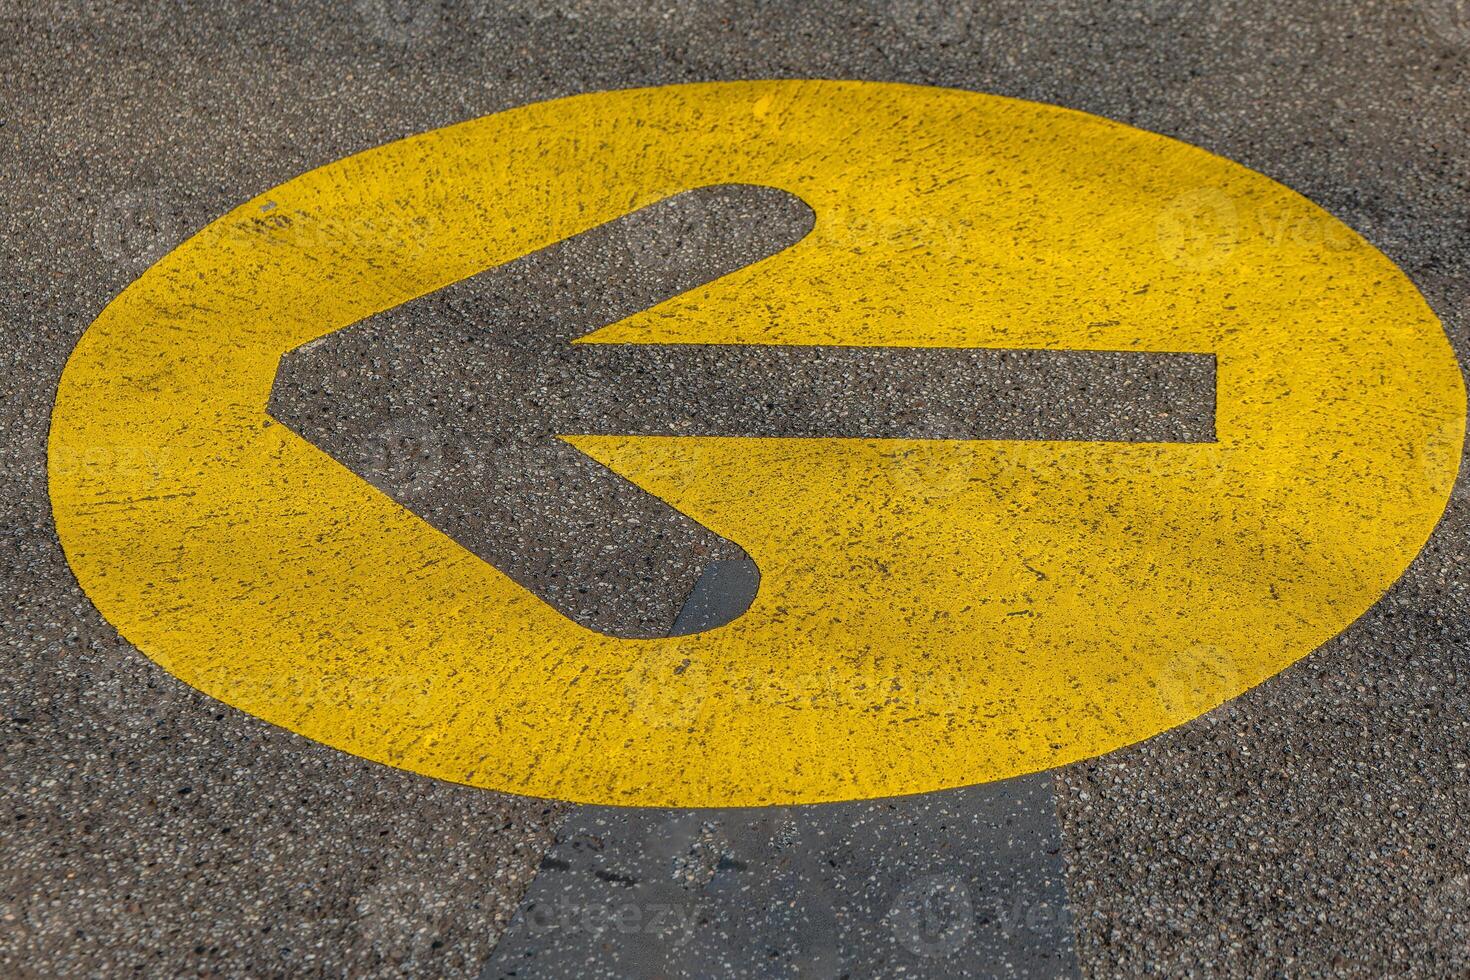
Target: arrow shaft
<point>883,393</point>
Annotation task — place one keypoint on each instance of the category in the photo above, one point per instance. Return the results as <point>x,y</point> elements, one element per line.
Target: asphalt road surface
<point>1314,825</point>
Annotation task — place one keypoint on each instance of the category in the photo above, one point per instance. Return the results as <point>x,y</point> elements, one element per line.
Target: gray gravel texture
<point>1315,826</point>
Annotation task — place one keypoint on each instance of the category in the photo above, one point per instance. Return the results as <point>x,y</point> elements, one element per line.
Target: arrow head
<point>450,404</point>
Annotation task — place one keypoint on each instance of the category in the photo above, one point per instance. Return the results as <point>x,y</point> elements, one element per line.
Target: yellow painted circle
<point>931,614</point>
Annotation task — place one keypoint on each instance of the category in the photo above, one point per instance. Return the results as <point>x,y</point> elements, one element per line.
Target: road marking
<point>930,614</point>
<point>503,381</point>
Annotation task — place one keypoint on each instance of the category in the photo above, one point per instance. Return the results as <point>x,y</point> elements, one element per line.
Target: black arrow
<point>451,404</point>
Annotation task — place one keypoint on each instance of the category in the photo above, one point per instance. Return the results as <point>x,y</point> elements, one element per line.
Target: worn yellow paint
<point>931,614</point>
